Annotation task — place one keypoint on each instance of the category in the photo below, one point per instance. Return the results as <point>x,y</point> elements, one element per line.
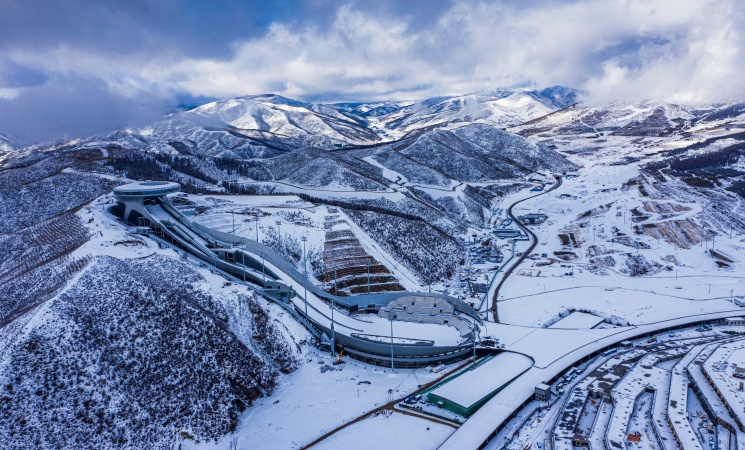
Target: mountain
<point>498,107</point>
<point>5,144</point>
<point>470,153</point>
<point>7,147</point>
<point>265,126</point>
<point>98,371</point>
<point>97,351</point>
<point>260,126</point>
<point>646,119</point>
<point>369,109</point>
<point>219,128</point>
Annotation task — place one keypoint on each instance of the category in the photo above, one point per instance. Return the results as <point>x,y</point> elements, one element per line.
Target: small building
<point>467,391</point>
<point>734,321</point>
<point>543,392</point>
<point>279,290</point>
<point>506,233</point>
<point>720,255</point>
<point>634,438</point>
<point>533,218</point>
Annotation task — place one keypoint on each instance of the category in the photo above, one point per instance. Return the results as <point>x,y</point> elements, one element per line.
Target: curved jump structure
<point>410,345</point>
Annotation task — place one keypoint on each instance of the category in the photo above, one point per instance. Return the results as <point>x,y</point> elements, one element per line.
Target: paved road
<point>533,238</point>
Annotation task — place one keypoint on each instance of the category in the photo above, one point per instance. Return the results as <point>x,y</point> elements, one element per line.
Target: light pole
<point>256,224</point>
<point>263,271</point>
<point>474,344</point>
<point>368,276</point>
<point>429,275</point>
<point>232,213</point>
<point>333,335</point>
<point>279,233</point>
<point>391,316</point>
<point>243,259</point>
<point>335,293</point>
<point>305,275</point>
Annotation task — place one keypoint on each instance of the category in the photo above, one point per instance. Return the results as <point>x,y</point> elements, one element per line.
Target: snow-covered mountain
<point>257,126</point>
<point>260,126</point>
<point>499,107</point>
<point>649,119</point>
<point>369,109</point>
<point>471,153</point>
<point>263,126</point>
<point>5,145</point>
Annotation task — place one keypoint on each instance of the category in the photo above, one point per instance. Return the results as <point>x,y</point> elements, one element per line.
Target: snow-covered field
<point>320,397</point>
<point>389,431</point>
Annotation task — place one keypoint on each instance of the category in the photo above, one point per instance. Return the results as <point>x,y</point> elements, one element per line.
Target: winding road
<point>533,238</point>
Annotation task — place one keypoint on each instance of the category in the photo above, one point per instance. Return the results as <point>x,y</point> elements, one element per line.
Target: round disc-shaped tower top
<point>146,189</point>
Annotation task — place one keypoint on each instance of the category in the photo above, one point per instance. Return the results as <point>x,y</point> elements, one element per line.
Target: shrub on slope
<point>133,355</point>
<point>427,251</point>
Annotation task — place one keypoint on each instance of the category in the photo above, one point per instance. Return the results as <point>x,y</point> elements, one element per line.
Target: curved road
<point>495,313</point>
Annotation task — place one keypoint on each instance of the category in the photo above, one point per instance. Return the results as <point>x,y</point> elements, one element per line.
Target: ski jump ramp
<point>367,337</point>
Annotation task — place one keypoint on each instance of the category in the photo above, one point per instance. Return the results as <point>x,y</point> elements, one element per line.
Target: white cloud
<point>615,50</point>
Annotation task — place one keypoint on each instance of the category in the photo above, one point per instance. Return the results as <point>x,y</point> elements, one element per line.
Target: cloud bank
<point>76,67</point>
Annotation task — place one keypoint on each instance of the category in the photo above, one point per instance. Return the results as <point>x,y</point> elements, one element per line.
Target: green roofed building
<point>465,393</point>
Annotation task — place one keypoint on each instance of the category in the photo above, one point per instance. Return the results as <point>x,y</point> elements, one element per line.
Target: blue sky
<point>75,67</point>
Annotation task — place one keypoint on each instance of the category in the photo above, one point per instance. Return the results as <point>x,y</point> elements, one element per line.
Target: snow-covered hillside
<point>471,153</point>
<point>107,341</point>
<point>261,126</point>
<point>5,144</point>
<point>499,107</point>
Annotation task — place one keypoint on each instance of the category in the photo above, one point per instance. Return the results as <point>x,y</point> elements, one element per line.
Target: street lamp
<point>474,343</point>
<point>368,276</point>
<point>232,213</point>
<point>335,293</point>
<point>279,232</point>
<point>256,224</point>
<point>243,259</point>
<point>429,275</point>
<point>263,271</point>
<point>305,275</point>
<point>333,335</point>
<point>391,317</point>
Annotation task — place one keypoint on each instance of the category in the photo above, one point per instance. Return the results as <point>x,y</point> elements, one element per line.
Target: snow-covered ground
<point>387,431</point>
<point>319,397</point>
